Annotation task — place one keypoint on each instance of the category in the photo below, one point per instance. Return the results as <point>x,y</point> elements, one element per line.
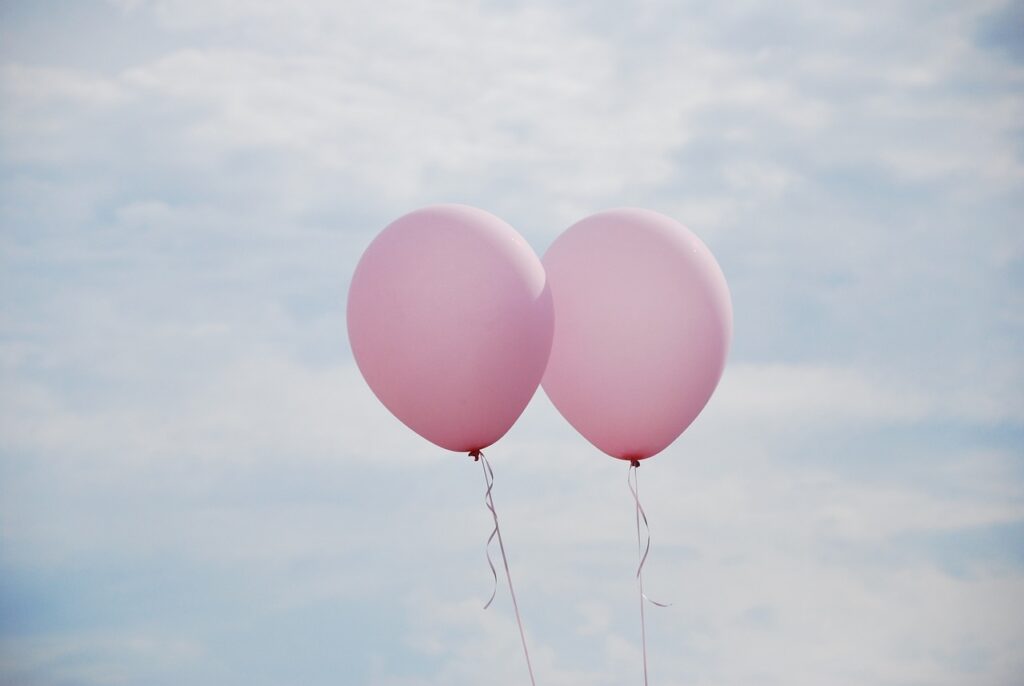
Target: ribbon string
<point>642,552</point>
<point>496,533</point>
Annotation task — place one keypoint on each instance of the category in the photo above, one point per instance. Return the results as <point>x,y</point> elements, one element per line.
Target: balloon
<point>643,322</point>
<point>450,321</point>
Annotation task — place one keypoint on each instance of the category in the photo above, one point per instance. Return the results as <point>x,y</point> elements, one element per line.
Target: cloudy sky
<point>196,486</point>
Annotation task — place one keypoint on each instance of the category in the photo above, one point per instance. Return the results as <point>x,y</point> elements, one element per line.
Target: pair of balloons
<point>626,323</point>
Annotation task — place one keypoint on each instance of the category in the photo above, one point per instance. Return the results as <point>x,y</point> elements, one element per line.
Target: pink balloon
<point>450,321</point>
<point>643,322</point>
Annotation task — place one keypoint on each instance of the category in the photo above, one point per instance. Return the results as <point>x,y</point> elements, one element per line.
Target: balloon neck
<point>475,454</point>
<point>634,463</point>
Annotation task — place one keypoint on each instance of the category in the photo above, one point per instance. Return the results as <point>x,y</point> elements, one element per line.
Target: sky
<point>196,485</point>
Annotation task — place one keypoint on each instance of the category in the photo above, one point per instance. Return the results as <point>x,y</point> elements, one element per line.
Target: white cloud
<point>255,409</point>
<point>820,395</point>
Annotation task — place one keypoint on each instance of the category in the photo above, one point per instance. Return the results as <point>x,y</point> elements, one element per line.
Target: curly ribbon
<point>478,455</point>
<point>642,551</point>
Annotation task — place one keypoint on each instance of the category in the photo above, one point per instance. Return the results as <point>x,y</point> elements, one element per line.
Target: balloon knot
<point>475,454</point>
<point>634,463</point>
